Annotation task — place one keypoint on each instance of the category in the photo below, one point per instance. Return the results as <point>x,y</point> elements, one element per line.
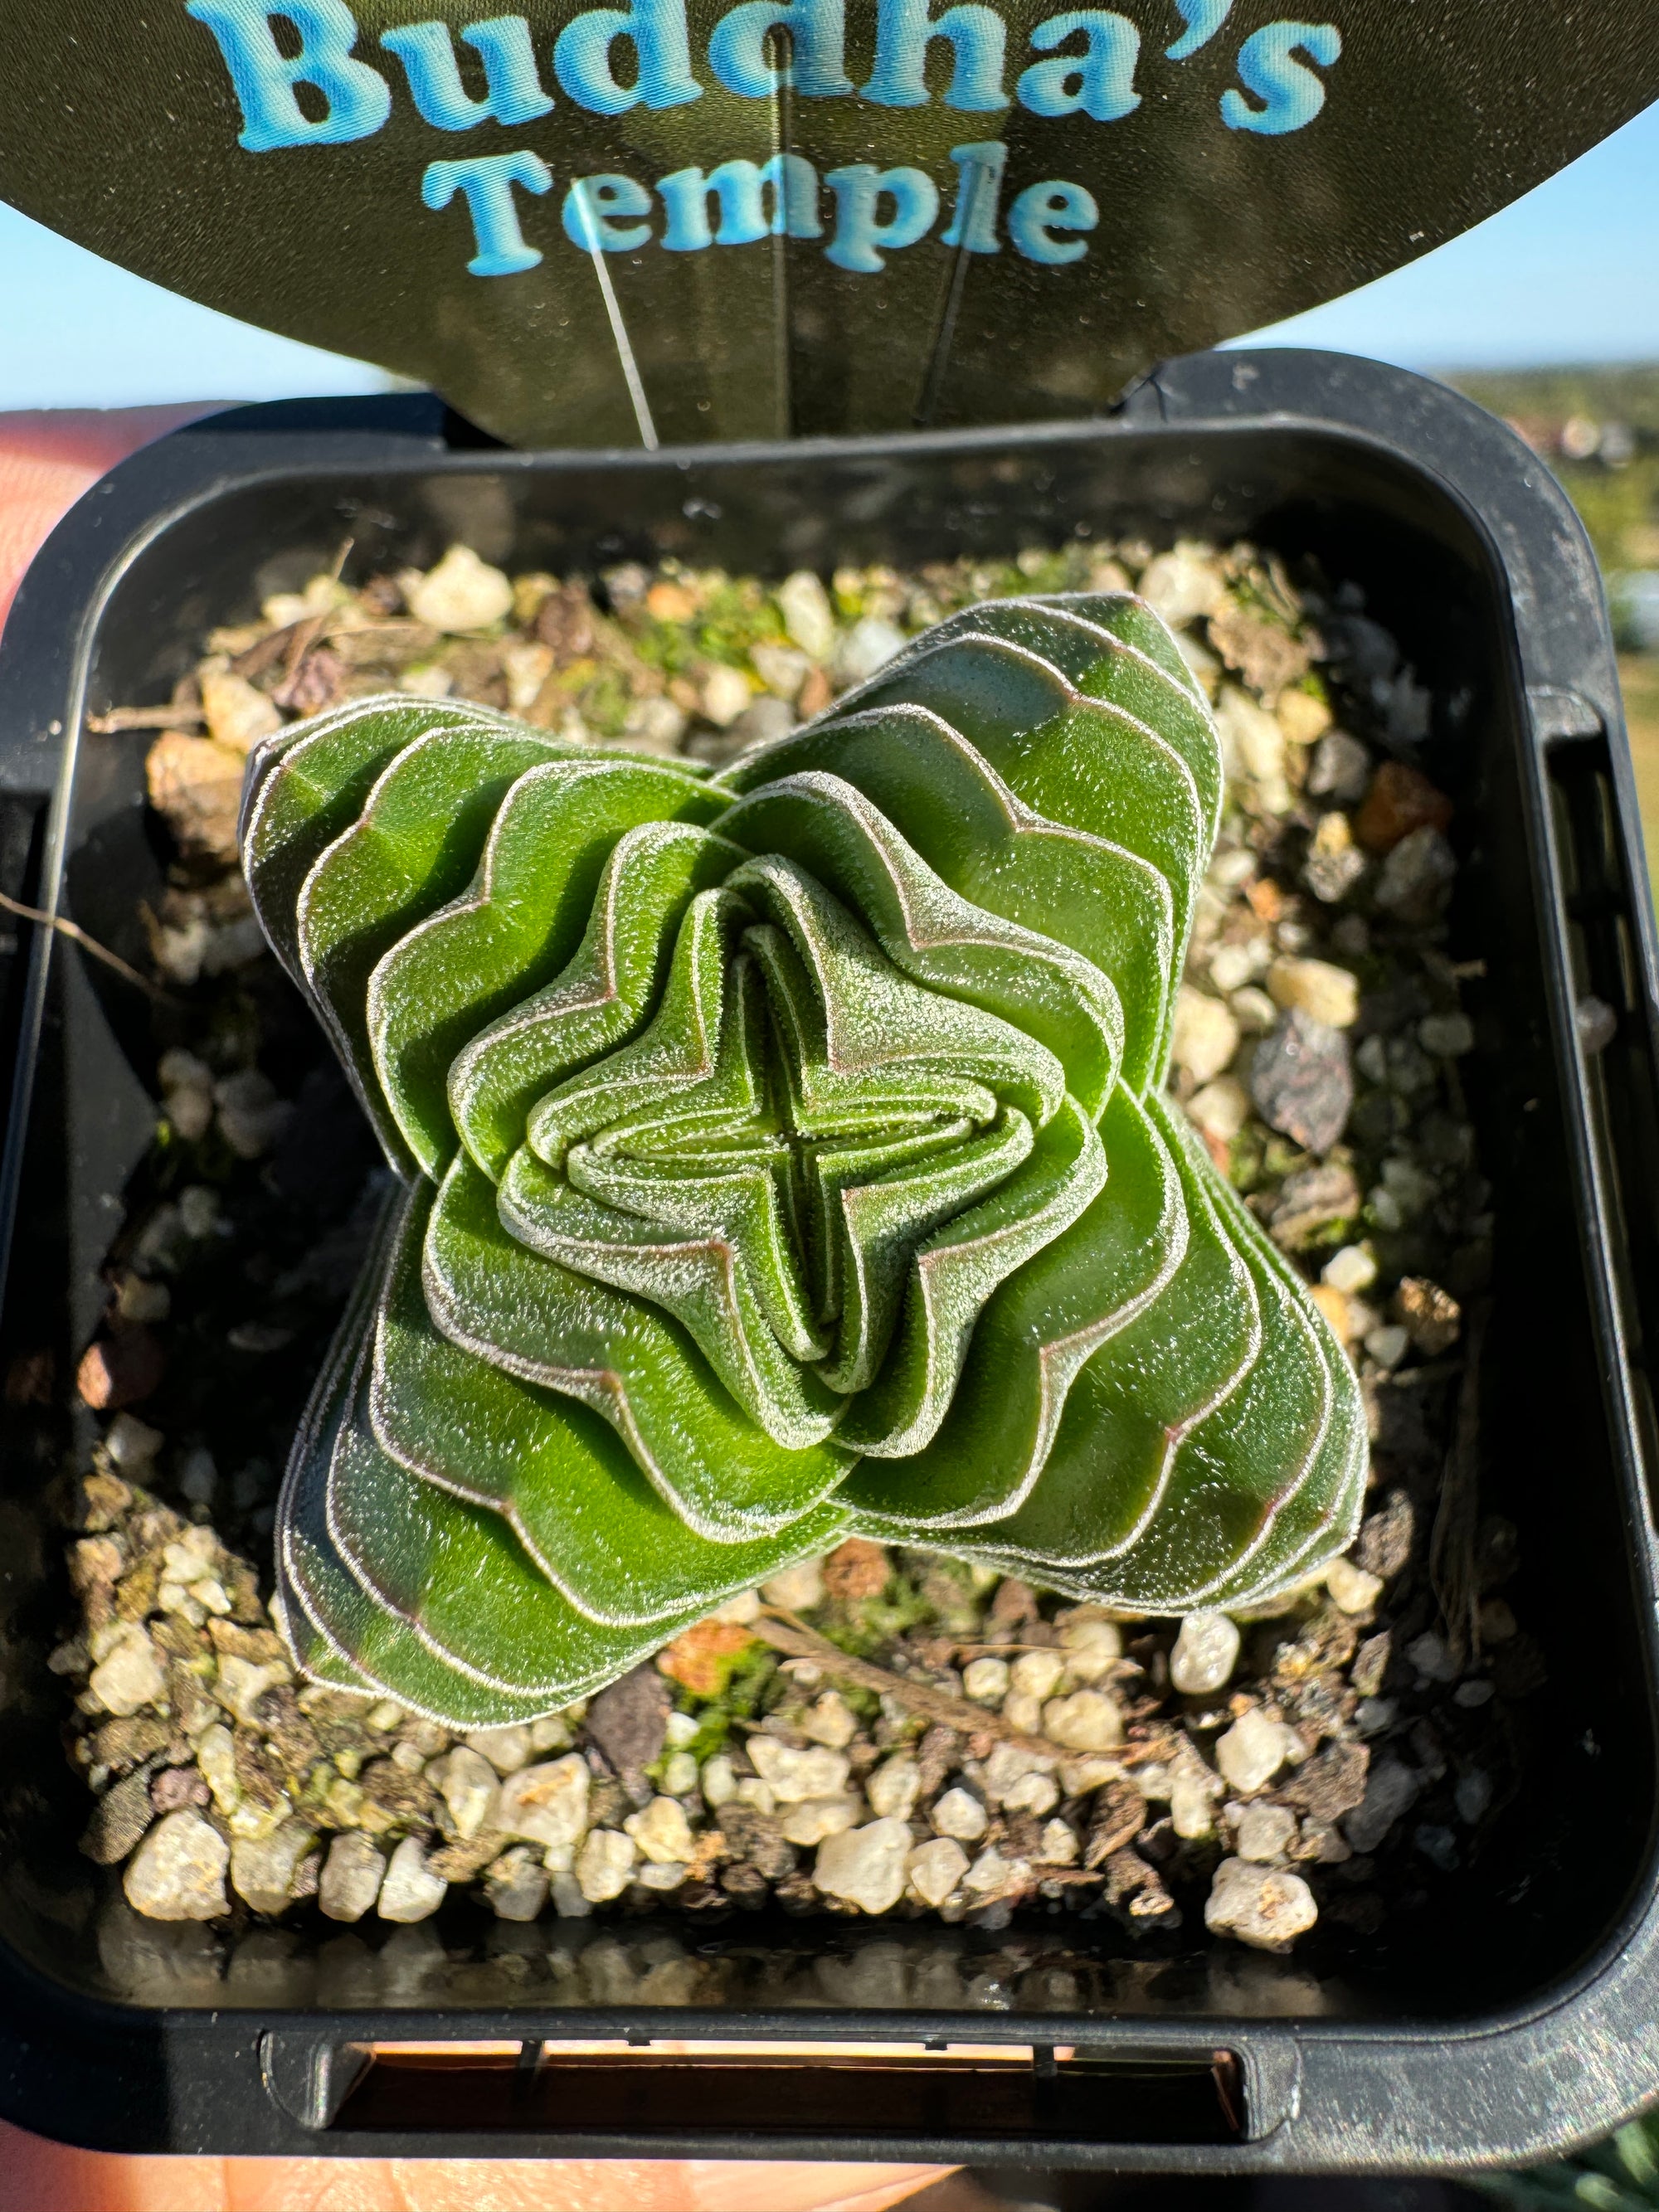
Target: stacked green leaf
<point>782,1155</point>
<point>1619,2175</point>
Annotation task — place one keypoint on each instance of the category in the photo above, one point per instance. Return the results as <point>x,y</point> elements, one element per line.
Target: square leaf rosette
<point>782,1155</point>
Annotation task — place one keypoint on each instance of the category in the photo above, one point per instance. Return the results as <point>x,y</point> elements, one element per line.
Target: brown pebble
<point>175,1787</point>
<point>1386,1537</point>
<point>630,1720</point>
<point>1265,900</point>
<point>193,1710</point>
<point>177,1637</point>
<point>254,1771</point>
<point>1264,653</point>
<point>1371,1664</point>
<point>314,683</point>
<point>93,1560</point>
<point>1331,1783</point>
<point>120,1371</point>
<point>1321,1844</point>
<point>336,1709</point>
<point>1021,1836</point>
<point>565,621</point>
<point>426,1737</point>
<point>1014,1602</point>
<point>389,1786</point>
<point>242,1588</point>
<point>196,785</point>
<point>608,1803</point>
<point>1152,1902</point>
<point>1431,1317</point>
<point>382,595</point>
<point>814,695</point>
<point>104,1498</point>
<point>758,1838</point>
<point>155,1526</point>
<point>1120,1815</point>
<point>1338,1311</point>
<point>126,1742</point>
<point>1400,799</point>
<point>134,1593</point>
<point>744,1884</point>
<point>1302,1080</point>
<point>119,1818</point>
<point>466,1857</point>
<point>261,1645</point>
<point>1309,1202</point>
<point>936,1754</point>
<point>1128,1875</point>
<point>293,1738</point>
<point>855,1570</point>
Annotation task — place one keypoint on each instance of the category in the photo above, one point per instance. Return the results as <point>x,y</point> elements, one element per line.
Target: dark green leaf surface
<point>561,1476</point>
<point>783,1158</point>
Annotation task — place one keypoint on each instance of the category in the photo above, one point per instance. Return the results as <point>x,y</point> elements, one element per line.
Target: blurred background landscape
<point>1598,430</point>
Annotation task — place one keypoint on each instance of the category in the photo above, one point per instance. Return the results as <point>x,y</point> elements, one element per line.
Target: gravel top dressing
<point>883,1732</point>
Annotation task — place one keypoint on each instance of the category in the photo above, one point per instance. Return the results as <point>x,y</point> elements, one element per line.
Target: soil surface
<point>883,1733</point>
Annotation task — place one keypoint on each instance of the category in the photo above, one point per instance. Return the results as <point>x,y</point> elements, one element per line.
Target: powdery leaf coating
<point>783,1165</point>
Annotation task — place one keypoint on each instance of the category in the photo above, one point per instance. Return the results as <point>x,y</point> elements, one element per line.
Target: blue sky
<point>1571,273</point>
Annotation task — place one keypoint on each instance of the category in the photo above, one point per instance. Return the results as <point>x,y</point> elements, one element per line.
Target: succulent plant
<point>781,1155</point>
<point>1619,2175</point>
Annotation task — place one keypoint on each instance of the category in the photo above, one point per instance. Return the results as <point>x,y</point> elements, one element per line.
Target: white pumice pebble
<point>1251,1752</point>
<point>1207,1648</point>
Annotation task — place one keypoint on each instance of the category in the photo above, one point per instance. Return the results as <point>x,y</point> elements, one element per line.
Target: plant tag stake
<point>679,219</point>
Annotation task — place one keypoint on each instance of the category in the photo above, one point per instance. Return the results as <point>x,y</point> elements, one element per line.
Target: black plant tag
<point>675,220</point>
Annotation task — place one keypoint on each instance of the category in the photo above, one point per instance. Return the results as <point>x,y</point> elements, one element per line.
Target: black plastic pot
<point>1508,2016</point>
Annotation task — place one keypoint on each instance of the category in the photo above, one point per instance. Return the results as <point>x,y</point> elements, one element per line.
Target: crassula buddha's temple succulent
<point>783,1156</point>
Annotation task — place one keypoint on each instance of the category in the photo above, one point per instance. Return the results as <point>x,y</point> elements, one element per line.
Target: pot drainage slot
<point>971,2092</point>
